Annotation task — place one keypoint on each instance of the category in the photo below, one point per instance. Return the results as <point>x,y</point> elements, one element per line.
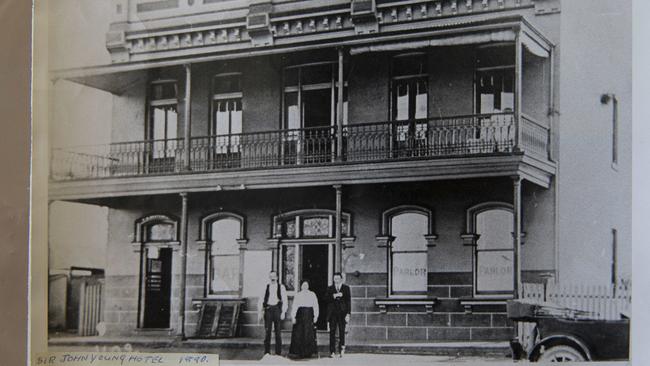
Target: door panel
<point>157,290</point>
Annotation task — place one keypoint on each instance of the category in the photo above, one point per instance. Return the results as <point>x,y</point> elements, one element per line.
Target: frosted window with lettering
<point>495,229</point>
<point>409,256</point>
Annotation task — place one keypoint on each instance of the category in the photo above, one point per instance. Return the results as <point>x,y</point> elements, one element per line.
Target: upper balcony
<point>456,101</point>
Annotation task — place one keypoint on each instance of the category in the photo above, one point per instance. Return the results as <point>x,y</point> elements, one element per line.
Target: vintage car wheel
<point>561,353</point>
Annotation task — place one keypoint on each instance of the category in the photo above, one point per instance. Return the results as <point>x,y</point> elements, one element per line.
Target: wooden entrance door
<point>157,290</point>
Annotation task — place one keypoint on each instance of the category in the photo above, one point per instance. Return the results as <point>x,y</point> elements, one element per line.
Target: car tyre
<point>561,353</point>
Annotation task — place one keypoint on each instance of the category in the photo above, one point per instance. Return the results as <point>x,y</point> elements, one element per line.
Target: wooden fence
<point>90,307</point>
<point>601,302</point>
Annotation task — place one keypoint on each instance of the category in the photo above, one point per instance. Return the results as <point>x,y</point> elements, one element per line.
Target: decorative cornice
<point>262,27</point>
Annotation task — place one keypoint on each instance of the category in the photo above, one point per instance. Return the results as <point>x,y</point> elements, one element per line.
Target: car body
<point>561,335</point>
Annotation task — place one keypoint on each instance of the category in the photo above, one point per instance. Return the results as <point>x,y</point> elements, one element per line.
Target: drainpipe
<point>338,251</point>
<point>518,90</point>
<point>516,203</point>
<point>183,257</point>
<point>339,109</point>
<point>187,117</point>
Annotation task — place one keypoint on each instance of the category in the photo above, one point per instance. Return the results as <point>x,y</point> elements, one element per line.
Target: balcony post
<point>516,214</point>
<point>187,117</point>
<point>518,90</point>
<point>338,247</point>
<point>339,108</point>
<point>183,258</point>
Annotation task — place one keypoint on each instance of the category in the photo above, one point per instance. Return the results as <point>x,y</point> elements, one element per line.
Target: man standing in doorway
<point>273,306</point>
<point>338,312</point>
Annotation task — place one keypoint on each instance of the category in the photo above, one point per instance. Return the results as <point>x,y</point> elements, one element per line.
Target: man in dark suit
<point>338,312</point>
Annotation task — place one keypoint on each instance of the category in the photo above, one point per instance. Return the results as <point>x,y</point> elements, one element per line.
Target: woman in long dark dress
<point>304,313</point>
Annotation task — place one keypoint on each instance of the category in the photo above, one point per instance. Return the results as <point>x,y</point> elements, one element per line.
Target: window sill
<point>198,302</point>
<point>385,303</point>
<point>472,302</point>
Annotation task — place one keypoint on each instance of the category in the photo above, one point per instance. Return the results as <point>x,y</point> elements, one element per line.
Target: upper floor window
<point>310,107</point>
<point>311,96</point>
<point>409,88</point>
<point>495,79</point>
<point>409,104</point>
<point>163,103</point>
<point>162,129</point>
<point>226,104</point>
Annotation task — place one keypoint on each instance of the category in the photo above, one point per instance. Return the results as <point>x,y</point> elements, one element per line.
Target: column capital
<point>183,194</point>
<point>516,179</point>
<point>338,187</point>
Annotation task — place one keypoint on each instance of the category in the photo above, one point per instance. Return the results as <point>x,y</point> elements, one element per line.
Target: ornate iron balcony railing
<point>470,135</point>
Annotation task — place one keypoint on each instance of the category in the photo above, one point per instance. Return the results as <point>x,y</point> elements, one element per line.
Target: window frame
<point>429,237</point>
<point>471,216</point>
<point>299,240</point>
<point>501,68</point>
<point>205,244</point>
<point>169,146</point>
<point>414,130</point>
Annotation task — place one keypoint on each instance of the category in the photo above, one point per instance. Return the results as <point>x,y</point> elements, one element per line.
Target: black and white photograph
<point>341,181</point>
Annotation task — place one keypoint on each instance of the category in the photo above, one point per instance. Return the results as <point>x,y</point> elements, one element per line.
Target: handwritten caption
<point>124,359</point>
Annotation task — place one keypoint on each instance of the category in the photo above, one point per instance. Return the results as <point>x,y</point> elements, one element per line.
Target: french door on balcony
<point>409,105</point>
<point>227,129</point>
<point>309,114</point>
<point>226,121</point>
<point>162,142</point>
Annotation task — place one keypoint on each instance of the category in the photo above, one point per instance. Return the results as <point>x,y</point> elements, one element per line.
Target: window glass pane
<point>495,56</point>
<point>160,232</point>
<point>158,122</point>
<point>402,103</point>
<point>409,272</point>
<point>290,229</point>
<point>288,267</point>
<point>316,226</point>
<point>227,84</point>
<point>225,273</point>
<point>495,271</point>
<point>172,123</point>
<point>317,74</point>
<point>409,230</point>
<point>409,65</point>
<point>291,111</point>
<point>345,104</point>
<point>291,77</point>
<point>224,235</point>
<point>494,228</point>
<point>235,125</point>
<point>163,91</point>
<point>222,118</point>
<point>495,89</point>
<point>421,100</point>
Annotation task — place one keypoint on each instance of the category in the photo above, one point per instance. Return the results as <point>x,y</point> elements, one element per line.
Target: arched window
<point>490,225</point>
<point>409,233</point>
<point>223,235</point>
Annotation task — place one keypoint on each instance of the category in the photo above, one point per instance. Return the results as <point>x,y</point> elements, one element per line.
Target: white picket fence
<point>602,302</point>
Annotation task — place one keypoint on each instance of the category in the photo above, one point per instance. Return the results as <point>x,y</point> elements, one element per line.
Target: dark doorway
<point>314,269</point>
<point>157,290</point>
